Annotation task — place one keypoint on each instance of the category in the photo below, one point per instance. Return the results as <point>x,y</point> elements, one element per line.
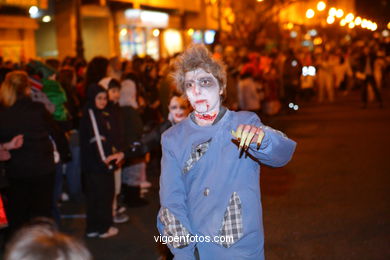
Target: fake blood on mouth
<point>206,117</point>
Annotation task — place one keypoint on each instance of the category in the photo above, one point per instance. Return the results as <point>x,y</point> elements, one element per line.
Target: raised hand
<point>247,134</point>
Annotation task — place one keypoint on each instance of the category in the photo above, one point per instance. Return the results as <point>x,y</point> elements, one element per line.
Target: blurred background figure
<point>292,70</point>
<point>325,78</point>
<point>134,169</point>
<point>366,71</point>
<point>42,241</point>
<point>31,169</point>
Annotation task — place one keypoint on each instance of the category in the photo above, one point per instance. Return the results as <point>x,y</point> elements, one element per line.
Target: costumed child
<point>210,169</point>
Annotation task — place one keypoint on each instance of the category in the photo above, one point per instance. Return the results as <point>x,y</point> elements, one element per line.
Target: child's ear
<point>221,90</point>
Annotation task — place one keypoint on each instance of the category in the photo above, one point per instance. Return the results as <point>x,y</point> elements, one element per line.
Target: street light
<point>46,19</point>
<point>364,23</point>
<point>351,25</point>
<point>190,32</point>
<point>369,25</point>
<point>343,22</point>
<point>123,32</point>
<point>332,11</point>
<point>156,32</point>
<point>388,25</point>
<point>339,13</point>
<point>310,13</point>
<point>321,6</point>
<point>349,17</point>
<point>330,19</point>
<point>374,27</point>
<point>358,20</point>
<point>290,26</point>
<point>33,10</point>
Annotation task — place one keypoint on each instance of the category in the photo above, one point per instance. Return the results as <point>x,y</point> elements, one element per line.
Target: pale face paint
<point>203,92</point>
<point>178,109</point>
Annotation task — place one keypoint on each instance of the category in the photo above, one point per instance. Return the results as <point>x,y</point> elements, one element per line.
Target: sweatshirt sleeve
<point>276,149</point>
<point>172,220</point>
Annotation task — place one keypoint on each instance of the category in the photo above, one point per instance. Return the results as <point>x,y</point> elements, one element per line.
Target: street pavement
<point>330,202</point>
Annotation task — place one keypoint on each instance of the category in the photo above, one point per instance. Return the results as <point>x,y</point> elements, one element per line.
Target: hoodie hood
<point>92,92</point>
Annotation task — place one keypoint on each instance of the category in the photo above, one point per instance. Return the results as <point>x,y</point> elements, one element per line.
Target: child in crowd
<point>178,110</point>
<point>95,144</point>
<point>113,87</point>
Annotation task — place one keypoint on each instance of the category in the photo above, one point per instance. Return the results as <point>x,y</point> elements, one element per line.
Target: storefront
<point>17,39</point>
<point>141,32</point>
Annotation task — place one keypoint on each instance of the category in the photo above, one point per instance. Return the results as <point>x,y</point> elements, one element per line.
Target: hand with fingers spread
<point>247,134</point>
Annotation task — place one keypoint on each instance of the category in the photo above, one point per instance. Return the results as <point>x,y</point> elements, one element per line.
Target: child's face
<point>202,90</point>
<point>178,108</point>
<point>114,94</point>
<point>101,100</point>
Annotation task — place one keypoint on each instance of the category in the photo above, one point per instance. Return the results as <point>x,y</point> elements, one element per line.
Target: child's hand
<point>247,134</point>
<point>117,157</point>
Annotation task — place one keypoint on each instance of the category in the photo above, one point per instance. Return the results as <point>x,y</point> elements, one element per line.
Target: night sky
<point>376,10</point>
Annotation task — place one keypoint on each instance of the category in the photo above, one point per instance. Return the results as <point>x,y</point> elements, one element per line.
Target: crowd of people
<point>65,118</point>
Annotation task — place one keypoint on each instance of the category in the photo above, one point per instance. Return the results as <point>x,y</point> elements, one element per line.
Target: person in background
<point>36,72</point>
<point>42,241</point>
<point>67,78</point>
<point>113,87</point>
<point>115,68</point>
<point>57,96</point>
<point>95,144</point>
<point>165,87</point>
<point>325,78</point>
<point>30,170</point>
<point>151,113</point>
<point>97,69</point>
<point>366,69</point>
<point>248,97</point>
<point>179,109</point>
<point>133,169</point>
<point>292,70</point>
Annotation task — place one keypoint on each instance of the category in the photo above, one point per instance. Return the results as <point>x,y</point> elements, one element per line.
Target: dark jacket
<point>117,128</point>
<point>91,161</point>
<point>32,120</point>
<point>362,61</point>
<point>133,130</point>
<point>132,123</point>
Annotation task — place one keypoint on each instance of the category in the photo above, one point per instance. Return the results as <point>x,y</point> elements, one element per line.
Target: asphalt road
<point>332,201</point>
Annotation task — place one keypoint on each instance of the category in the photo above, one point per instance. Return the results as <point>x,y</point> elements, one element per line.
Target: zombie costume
<point>207,189</point>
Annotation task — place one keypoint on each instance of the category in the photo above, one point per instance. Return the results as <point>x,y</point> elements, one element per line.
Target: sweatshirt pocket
<point>232,226</point>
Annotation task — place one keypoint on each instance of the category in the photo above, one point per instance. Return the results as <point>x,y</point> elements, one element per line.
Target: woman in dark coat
<point>30,170</point>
